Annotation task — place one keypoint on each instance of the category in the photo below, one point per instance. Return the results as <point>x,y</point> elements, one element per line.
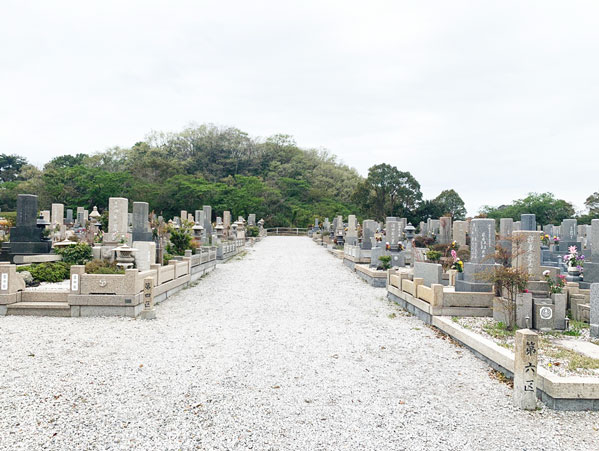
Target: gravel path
<point>283,349</point>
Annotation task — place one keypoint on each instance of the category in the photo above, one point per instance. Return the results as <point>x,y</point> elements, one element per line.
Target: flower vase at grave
<point>573,274</point>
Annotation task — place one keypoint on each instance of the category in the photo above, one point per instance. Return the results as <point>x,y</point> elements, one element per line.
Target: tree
<point>10,167</point>
<point>450,202</point>
<point>545,206</point>
<point>592,203</point>
<point>388,192</point>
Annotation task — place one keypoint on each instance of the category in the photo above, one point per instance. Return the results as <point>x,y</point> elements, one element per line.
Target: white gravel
<point>284,349</point>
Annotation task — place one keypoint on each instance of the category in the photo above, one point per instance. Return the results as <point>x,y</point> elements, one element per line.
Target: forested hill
<point>202,165</point>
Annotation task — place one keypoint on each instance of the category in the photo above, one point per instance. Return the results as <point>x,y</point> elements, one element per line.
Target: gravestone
<point>80,217</point>
<point>368,231</point>
<point>422,228</point>
<point>568,231</point>
<point>118,218</point>
<point>526,252</point>
<point>594,310</point>
<point>517,225</point>
<point>142,237</point>
<point>252,219</point>
<point>506,227</point>
<point>69,219</point>
<point>141,224</point>
<point>183,215</point>
<point>444,230</point>
<point>482,250</point>
<point>226,221</point>
<point>528,222</point>
<point>57,214</point>
<point>26,237</point>
<point>548,229</point>
<point>326,225</point>
<point>430,272</point>
<point>46,215</point>
<point>394,233</point>
<point>591,268</point>
<point>351,236</point>
<point>459,232</point>
<point>207,220</point>
<point>435,225</point>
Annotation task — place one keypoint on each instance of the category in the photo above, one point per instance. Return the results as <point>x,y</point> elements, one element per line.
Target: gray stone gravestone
<point>528,222</point>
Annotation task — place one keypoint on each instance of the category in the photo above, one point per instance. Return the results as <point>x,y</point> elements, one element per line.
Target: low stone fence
<point>109,294</point>
<point>435,300</point>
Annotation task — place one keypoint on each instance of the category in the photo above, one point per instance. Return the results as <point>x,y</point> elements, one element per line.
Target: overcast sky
<point>492,98</point>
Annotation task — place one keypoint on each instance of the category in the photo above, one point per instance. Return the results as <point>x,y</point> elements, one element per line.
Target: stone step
<point>61,309</point>
<point>44,296</point>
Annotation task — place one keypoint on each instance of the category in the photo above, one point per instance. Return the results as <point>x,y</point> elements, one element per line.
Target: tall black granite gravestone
<point>26,237</point>
<point>141,225</point>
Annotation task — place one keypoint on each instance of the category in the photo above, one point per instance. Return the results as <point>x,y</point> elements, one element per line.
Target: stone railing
<point>439,300</point>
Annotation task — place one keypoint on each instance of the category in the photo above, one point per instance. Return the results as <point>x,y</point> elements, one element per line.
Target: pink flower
<point>454,254</point>
<point>572,250</point>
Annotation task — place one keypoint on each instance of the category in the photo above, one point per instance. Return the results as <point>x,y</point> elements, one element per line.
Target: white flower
<point>546,273</point>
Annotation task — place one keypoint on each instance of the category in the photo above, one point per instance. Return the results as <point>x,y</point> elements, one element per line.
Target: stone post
<point>149,311</point>
<point>525,369</point>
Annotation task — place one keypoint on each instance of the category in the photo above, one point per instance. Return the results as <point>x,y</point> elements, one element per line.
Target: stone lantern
<point>124,256</point>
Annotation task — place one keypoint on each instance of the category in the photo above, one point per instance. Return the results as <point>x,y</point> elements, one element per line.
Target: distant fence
<point>286,231</point>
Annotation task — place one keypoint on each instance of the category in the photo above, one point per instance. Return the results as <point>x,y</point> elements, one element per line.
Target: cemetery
<point>69,266</point>
<point>480,282</point>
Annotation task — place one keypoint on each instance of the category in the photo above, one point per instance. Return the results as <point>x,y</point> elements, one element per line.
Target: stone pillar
<point>149,311</point>
<point>525,369</point>
<point>118,218</point>
<point>526,252</point>
<point>594,310</point>
<point>252,219</point>
<point>183,215</point>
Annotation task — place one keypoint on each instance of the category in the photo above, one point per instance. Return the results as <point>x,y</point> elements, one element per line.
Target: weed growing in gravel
<point>498,330</point>
<point>392,315</point>
<point>572,358</point>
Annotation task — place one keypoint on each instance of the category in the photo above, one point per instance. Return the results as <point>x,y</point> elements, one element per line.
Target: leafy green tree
<point>545,206</point>
<point>388,191</point>
<point>450,202</point>
<point>592,203</point>
<point>10,167</point>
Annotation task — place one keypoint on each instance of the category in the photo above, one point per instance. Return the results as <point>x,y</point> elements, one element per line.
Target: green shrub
<point>48,272</point>
<point>180,241</point>
<point>385,262</point>
<point>433,256</point>
<point>75,254</point>
<point>103,267</point>
<point>167,258</point>
<point>253,231</point>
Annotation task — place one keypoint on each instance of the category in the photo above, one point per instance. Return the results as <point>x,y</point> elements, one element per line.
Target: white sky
<point>492,98</point>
